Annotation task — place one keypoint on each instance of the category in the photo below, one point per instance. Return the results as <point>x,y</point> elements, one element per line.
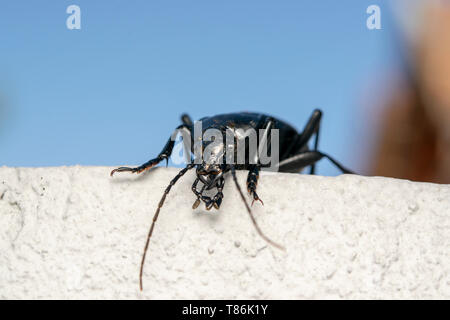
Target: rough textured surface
<point>74,232</point>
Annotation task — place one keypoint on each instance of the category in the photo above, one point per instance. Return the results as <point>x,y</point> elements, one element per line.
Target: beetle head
<point>209,174</point>
<point>211,168</point>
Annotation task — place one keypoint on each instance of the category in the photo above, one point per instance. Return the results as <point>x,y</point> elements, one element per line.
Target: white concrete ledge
<point>74,232</point>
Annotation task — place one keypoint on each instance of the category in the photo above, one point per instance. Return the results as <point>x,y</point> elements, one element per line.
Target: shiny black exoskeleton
<point>294,156</point>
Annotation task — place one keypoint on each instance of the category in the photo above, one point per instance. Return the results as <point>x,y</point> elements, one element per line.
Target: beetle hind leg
<point>311,128</point>
<point>307,158</point>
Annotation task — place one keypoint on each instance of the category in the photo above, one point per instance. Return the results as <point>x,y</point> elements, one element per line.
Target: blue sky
<point>112,92</point>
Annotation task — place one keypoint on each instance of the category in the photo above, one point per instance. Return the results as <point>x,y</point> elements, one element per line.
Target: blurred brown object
<point>414,138</point>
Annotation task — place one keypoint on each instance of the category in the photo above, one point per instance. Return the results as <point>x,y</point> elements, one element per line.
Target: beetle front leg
<point>217,200</point>
<point>209,203</point>
<point>198,194</point>
<point>207,200</point>
<point>164,155</point>
<point>252,182</point>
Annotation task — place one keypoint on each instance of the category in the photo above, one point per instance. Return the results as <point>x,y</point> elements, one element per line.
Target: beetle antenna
<point>155,217</point>
<point>233,173</point>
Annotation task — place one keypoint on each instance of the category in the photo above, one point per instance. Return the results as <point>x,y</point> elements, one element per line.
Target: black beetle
<point>294,155</point>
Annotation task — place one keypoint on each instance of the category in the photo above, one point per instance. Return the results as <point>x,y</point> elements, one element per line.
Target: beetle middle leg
<point>250,213</point>
<point>163,155</point>
<point>252,182</point>
<point>253,174</point>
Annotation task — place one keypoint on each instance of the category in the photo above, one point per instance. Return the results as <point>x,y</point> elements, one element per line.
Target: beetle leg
<point>307,158</point>
<point>198,194</point>
<point>252,182</point>
<point>186,120</point>
<point>209,203</point>
<point>164,155</point>
<point>312,127</point>
<point>217,201</point>
<point>315,118</point>
<point>255,224</point>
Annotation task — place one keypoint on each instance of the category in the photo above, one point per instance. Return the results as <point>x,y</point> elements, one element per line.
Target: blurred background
<point>112,92</point>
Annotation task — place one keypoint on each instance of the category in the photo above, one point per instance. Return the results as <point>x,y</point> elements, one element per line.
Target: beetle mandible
<point>294,156</point>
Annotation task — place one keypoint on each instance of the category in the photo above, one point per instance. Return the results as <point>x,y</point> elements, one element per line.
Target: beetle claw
<point>257,199</point>
<point>122,169</point>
